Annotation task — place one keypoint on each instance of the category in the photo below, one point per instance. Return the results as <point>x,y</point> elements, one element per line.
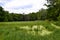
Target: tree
<point>6,16</point>
<point>2,14</point>
<point>33,16</point>
<point>53,9</point>
<point>41,14</point>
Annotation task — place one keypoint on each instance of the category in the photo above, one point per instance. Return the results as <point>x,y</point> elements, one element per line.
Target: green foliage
<point>12,31</point>
<point>6,16</point>
<point>53,9</point>
<point>58,18</point>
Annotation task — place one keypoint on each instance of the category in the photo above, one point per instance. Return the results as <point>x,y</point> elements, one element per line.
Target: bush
<point>58,18</point>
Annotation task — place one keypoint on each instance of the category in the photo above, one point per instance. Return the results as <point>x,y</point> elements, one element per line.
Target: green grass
<point>12,31</point>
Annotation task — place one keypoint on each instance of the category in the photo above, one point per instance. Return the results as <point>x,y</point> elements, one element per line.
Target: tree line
<point>6,16</point>
<point>51,13</point>
<point>53,9</point>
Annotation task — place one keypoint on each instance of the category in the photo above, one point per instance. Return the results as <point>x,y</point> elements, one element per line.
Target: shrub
<point>58,18</point>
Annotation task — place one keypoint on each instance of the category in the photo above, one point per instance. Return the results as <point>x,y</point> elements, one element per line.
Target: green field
<point>30,30</point>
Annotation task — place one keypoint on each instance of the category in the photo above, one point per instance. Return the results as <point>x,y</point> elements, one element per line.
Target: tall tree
<point>53,9</point>
<point>2,14</point>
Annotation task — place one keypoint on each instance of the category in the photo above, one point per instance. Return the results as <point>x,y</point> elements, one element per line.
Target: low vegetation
<point>31,30</point>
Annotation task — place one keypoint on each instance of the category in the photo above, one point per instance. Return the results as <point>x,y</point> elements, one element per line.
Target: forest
<point>6,16</point>
<point>51,13</point>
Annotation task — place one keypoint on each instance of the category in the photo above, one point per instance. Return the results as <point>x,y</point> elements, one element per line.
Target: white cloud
<point>23,6</point>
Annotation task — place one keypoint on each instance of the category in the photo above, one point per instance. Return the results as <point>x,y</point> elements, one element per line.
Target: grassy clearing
<point>33,30</point>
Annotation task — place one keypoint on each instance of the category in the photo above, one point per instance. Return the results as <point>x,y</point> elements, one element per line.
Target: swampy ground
<point>30,30</point>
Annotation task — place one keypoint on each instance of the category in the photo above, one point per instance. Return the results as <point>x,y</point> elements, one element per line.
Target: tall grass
<point>12,31</point>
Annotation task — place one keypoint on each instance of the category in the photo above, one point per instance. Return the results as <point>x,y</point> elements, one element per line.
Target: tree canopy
<point>51,13</point>
<point>53,9</point>
<point>6,16</point>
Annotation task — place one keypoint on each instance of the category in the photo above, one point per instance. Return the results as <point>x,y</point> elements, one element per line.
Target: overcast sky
<point>22,6</point>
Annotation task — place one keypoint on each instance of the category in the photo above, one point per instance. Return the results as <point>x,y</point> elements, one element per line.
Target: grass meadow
<point>30,30</point>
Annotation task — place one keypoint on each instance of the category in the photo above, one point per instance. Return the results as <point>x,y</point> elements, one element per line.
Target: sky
<point>22,6</point>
